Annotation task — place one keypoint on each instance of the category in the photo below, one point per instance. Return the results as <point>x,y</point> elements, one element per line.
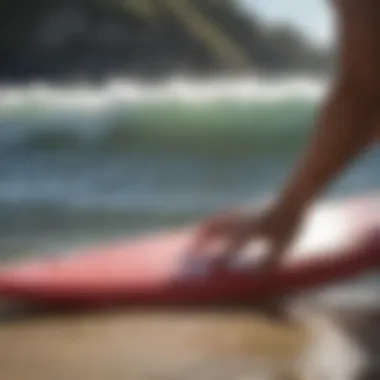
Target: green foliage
<point>144,38</point>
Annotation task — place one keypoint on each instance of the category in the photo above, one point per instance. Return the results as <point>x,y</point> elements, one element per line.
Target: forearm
<point>345,127</point>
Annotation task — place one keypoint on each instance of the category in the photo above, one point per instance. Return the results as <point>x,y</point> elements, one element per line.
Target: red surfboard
<point>338,241</point>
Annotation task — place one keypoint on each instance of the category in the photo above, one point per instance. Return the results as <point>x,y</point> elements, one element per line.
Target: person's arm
<point>347,122</point>
<point>345,127</point>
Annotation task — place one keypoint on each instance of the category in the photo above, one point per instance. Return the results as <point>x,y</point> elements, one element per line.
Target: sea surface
<point>80,163</point>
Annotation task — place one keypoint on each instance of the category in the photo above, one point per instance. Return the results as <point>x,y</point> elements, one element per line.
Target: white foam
<point>124,92</point>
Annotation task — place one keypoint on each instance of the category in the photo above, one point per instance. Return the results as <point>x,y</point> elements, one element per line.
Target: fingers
<point>275,254</point>
<point>235,243</point>
<point>223,237</point>
<point>232,247</point>
<point>220,227</point>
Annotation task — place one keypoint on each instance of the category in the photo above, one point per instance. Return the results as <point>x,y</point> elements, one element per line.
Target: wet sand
<point>142,346</point>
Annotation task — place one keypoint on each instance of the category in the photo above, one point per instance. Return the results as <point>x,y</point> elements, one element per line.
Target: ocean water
<point>80,164</point>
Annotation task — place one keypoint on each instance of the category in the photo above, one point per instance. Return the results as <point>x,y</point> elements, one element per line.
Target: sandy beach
<point>145,345</point>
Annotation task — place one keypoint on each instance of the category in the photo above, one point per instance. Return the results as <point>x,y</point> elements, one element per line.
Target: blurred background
<point>120,117</point>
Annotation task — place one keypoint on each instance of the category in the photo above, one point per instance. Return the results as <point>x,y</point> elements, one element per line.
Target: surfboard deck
<point>338,240</point>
